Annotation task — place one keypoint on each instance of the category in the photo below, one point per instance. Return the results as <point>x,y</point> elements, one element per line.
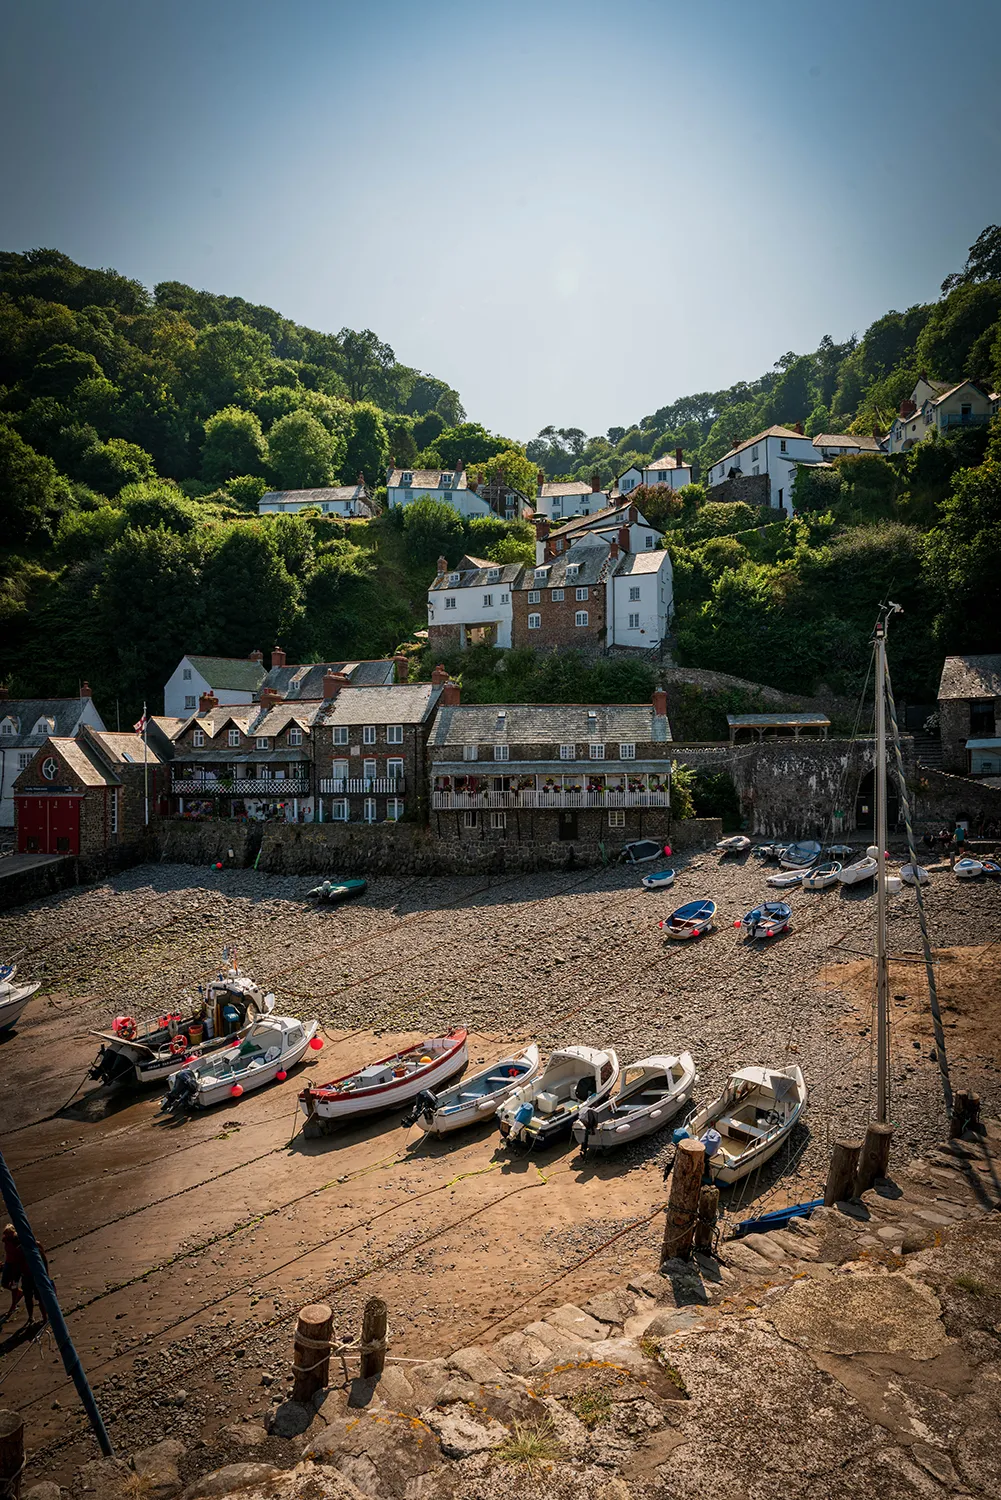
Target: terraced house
<point>249,760</point>
<point>542,773</point>
<point>369,747</point>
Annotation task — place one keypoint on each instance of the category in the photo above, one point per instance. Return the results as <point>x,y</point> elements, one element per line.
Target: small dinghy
<point>658,880</point>
<point>778,1218</point>
<point>389,1083</point>
<point>738,843</point>
<point>652,1092</point>
<point>271,1048</point>
<point>333,891</point>
<point>13,997</point>
<point>766,921</point>
<point>642,850</point>
<point>800,856</point>
<point>840,851</point>
<point>822,877</point>
<point>968,869</point>
<point>914,875</point>
<point>474,1099</point>
<point>690,920</point>
<point>768,851</point>
<point>784,879</point>
<point>545,1109</point>
<point>863,869</point>
<point>992,868</point>
<point>752,1118</point>
<point>227,1008</point>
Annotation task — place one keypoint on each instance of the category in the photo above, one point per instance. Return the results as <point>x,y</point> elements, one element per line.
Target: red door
<point>32,825</point>
<point>64,825</point>
<point>48,825</point>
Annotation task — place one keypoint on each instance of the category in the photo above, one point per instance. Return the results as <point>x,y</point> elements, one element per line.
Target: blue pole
<point>47,1297</point>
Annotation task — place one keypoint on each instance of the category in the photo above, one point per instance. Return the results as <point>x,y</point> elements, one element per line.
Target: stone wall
<point>558,617</point>
<point>206,842</point>
<point>753,489</point>
<point>39,881</point>
<point>941,798</point>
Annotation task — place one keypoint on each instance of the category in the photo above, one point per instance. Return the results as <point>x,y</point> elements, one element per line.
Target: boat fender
<point>712,1140</point>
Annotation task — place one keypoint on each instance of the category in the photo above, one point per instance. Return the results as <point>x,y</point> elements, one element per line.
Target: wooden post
<point>311,1351</point>
<point>11,1453</point>
<point>841,1173</point>
<point>875,1158</point>
<point>705,1227</point>
<point>683,1200</point>
<point>374,1331</point>
<point>960,1113</point>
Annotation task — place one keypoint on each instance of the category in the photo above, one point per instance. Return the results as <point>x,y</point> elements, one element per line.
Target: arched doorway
<point>865,802</point>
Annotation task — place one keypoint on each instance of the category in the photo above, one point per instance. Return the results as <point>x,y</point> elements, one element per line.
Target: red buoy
<point>236,1090</point>
<point>281,1075</point>
<point>316,1044</point>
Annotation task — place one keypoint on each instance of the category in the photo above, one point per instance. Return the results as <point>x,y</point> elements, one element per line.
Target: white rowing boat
<point>752,1118</point>
<point>269,1051</point>
<point>968,869</point>
<point>13,997</point>
<point>389,1083</point>
<point>915,875</point>
<point>782,880</point>
<point>546,1108</point>
<point>863,869</point>
<point>658,880</point>
<point>652,1092</point>
<point>800,856</point>
<point>822,877</point>
<point>474,1099</point>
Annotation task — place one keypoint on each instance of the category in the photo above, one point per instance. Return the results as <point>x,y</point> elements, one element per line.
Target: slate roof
<point>427,479</point>
<point>26,712</point>
<point>971,677</point>
<point>548,724</point>
<point>611,514</point>
<point>235,674</point>
<point>867,444</point>
<point>283,714</point>
<point>643,562</point>
<point>122,748</point>
<point>316,497</point>
<point>83,761</point>
<point>168,725</point>
<point>779,432</point>
<point>306,681</point>
<point>945,390</point>
<point>406,703</point>
<point>474,572</point>
<point>589,559</point>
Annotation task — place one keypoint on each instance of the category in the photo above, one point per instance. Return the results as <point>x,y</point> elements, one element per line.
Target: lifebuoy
<point>179,1043</point>
<point>125,1027</point>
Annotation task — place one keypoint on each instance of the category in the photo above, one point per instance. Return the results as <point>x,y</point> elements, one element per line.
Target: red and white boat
<point>390,1083</point>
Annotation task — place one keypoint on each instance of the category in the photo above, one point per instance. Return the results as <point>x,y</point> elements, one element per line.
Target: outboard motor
<point>181,1094</point>
<point>587,1115</point>
<point>425,1104</point>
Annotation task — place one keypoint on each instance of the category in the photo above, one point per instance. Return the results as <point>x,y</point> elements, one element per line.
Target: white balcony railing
<point>536,799</point>
<point>391,786</point>
<point>244,786</point>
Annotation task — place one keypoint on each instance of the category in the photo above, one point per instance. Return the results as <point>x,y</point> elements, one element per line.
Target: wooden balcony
<point>538,800</point>
<point>244,786</point>
<point>371,786</point>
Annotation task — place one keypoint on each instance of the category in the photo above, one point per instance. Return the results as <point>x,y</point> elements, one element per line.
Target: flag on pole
<point>140,725</point>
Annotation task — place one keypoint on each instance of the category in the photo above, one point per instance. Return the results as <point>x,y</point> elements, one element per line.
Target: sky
<point>573,211</point>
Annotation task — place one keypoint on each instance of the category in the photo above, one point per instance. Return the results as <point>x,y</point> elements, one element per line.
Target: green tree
<point>427,430</point>
<point>366,364</point>
<point>511,467</point>
<point>983,263</point>
<point>33,494</point>
<point>229,358</point>
<point>470,442</point>
<point>246,490</point>
<point>248,593</point>
<point>964,559</point>
<point>432,529</point>
<point>956,324</point>
<point>158,503</point>
<point>512,549</point>
<point>234,444</point>
<point>151,609</point>
<point>61,369</point>
<point>303,454</point>
<point>367,445</point>
<point>110,466</point>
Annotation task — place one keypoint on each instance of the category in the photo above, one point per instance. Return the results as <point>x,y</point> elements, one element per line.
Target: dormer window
<point>493,574</point>
<point>9,726</point>
<point>447,480</point>
<point>233,738</point>
<point>406,478</point>
<point>541,572</point>
<point>295,736</point>
<point>198,739</point>
<point>261,743</point>
<point>573,569</point>
<point>453,578</point>
<point>45,726</point>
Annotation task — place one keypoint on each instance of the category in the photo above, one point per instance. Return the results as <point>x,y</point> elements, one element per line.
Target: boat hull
<point>865,869</point>
<point>908,876</point>
<point>221,1092</point>
<point>729,1169</point>
<point>350,1104</point>
<point>454,1114</point>
<point>13,1006</point>
<point>608,1130</point>
<point>660,881</point>
<point>969,869</point>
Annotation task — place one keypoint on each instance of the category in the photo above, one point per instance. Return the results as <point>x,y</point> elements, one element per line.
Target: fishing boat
<point>738,843</point>
<point>642,850</point>
<point>863,869</point>
<point>333,891</point>
<point>658,880</point>
<point>784,879</point>
<point>968,869</point>
<point>914,875</point>
<point>13,997</point>
<point>690,920</point>
<point>474,1099</point>
<point>226,1009</point>
<point>752,1118</point>
<point>651,1093</point>
<point>822,877</point>
<point>546,1108</point>
<point>389,1083</point>
<point>800,856</point>
<point>766,921</point>
<point>269,1051</point>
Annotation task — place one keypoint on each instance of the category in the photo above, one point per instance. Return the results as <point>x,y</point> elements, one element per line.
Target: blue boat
<point>767,920</point>
<point>777,1219</point>
<point>658,880</point>
<point>690,920</point>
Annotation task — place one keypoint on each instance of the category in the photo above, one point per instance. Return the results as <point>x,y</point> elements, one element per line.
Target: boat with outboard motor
<point>750,1120</point>
<point>651,1093</point>
<point>475,1099</point>
<point>389,1083</point>
<point>226,1009</point>
<point>13,997</point>
<point>691,920</point>
<point>269,1051</point>
<point>546,1108</point>
<point>766,921</point>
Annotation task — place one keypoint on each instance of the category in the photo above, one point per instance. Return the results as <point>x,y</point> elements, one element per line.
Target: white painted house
<point>669,469</point>
<point>625,523</point>
<point>471,603</point>
<point>776,452</point>
<point>26,724</point>
<point>832,445</point>
<point>642,599</point>
<point>406,486</point>
<point>941,406</point>
<point>349,501</point>
<point>233,680</point>
<point>559,499</point>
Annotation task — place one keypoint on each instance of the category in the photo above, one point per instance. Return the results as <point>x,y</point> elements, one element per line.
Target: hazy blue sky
<point>572,210</point>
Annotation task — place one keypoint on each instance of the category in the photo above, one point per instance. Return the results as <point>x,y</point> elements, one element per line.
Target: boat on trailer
<point>270,1049</point>
<point>822,877</point>
<point>226,1010</point>
<point>659,880</point>
<point>475,1099</point>
<point>389,1083</point>
<point>752,1118</point>
<point>545,1109</point>
<point>691,920</point>
<point>13,997</point>
<point>766,921</point>
<point>651,1093</point>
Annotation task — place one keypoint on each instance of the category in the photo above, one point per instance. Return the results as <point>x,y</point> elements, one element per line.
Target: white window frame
<point>649,543</point>
<point>634,593</point>
<point>627,752</point>
<point>295,736</point>
<point>498,820</point>
<point>596,751</point>
<point>634,621</point>
<point>582,595</point>
<point>368,734</point>
<point>534,596</point>
<point>186,674</point>
<point>339,810</point>
<point>198,738</point>
<point>557,596</point>
<point>502,752</point>
<point>470,818</point>
<point>450,601</point>
<point>616,817</point>
<point>493,574</point>
<point>262,742</point>
<point>568,752</point>
<point>488,601</point>
<point>580,619</point>
<point>370,769</point>
<point>454,578</point>
<point>190,701</point>
<point>371,812</point>
<point>340,734</point>
<point>535,622</point>
<point>505,598</point>
<point>470,752</point>
<point>233,738</point>
<point>394,734</point>
<point>394,809</point>
<point>394,769</point>
<point>24,759</point>
<point>542,573</point>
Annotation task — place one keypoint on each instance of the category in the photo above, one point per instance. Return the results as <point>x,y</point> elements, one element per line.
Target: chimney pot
<point>332,683</point>
<point>660,702</point>
<point>439,676</point>
<point>402,667</point>
<point>595,482</point>
<point>451,693</point>
<point>541,529</point>
<point>799,428</point>
<point>257,656</point>
<point>85,690</point>
<point>278,657</point>
<point>207,702</point>
<point>459,466</point>
<point>613,548</point>
<point>624,538</point>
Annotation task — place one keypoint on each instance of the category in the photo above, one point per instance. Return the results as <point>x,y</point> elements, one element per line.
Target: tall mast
<point>882,972</point>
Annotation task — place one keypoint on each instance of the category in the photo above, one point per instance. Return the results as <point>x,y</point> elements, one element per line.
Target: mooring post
<point>374,1338</point>
<point>841,1172</point>
<point>683,1200</point>
<point>11,1453</point>
<point>311,1351</point>
<point>875,1158</point>
<point>960,1113</point>
<point>705,1228</point>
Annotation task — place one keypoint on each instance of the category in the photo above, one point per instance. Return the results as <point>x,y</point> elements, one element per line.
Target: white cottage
<point>776,452</point>
<point>941,406</point>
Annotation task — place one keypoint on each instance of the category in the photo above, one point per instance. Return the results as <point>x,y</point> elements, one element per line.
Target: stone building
<point>969,713</point>
<point>25,725</point>
<point>89,794</point>
<point>369,748</point>
<point>252,760</point>
<point>545,773</point>
<point>470,604</point>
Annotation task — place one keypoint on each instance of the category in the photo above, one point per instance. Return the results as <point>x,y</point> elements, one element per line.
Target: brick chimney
<point>442,566</point>
<point>613,549</point>
<point>361,478</point>
<point>278,657</point>
<point>85,690</point>
<point>541,529</point>
<point>624,538</point>
<point>923,375</point>
<point>540,480</point>
<point>439,676</point>
<point>660,702</point>
<point>207,702</point>
<point>257,656</point>
<point>459,466</point>
<point>679,458</point>
<point>402,667</point>
<point>333,682</point>
<point>450,695</point>
<point>908,408</point>
<point>595,482</point>
<point>269,697</point>
<point>799,428</point>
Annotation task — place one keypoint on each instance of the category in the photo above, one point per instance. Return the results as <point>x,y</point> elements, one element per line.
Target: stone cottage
<point>969,712</point>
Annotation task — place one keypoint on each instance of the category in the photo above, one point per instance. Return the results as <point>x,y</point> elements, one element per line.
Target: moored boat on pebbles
<point>659,880</point>
<point>766,921</point>
<point>863,869</point>
<point>914,875</point>
<point>737,843</point>
<point>474,1099</point>
<point>822,877</point>
<point>800,856</point>
<point>13,997</point>
<point>690,921</point>
<point>652,1092</point>
<point>784,879</point>
<point>389,1083</point>
<point>544,1110</point>
<point>968,869</point>
<point>268,1052</point>
<point>750,1120</point>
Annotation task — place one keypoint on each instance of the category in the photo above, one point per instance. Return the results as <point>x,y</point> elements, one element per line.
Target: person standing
<point>28,1288</point>
<point>956,849</point>
<point>10,1277</point>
